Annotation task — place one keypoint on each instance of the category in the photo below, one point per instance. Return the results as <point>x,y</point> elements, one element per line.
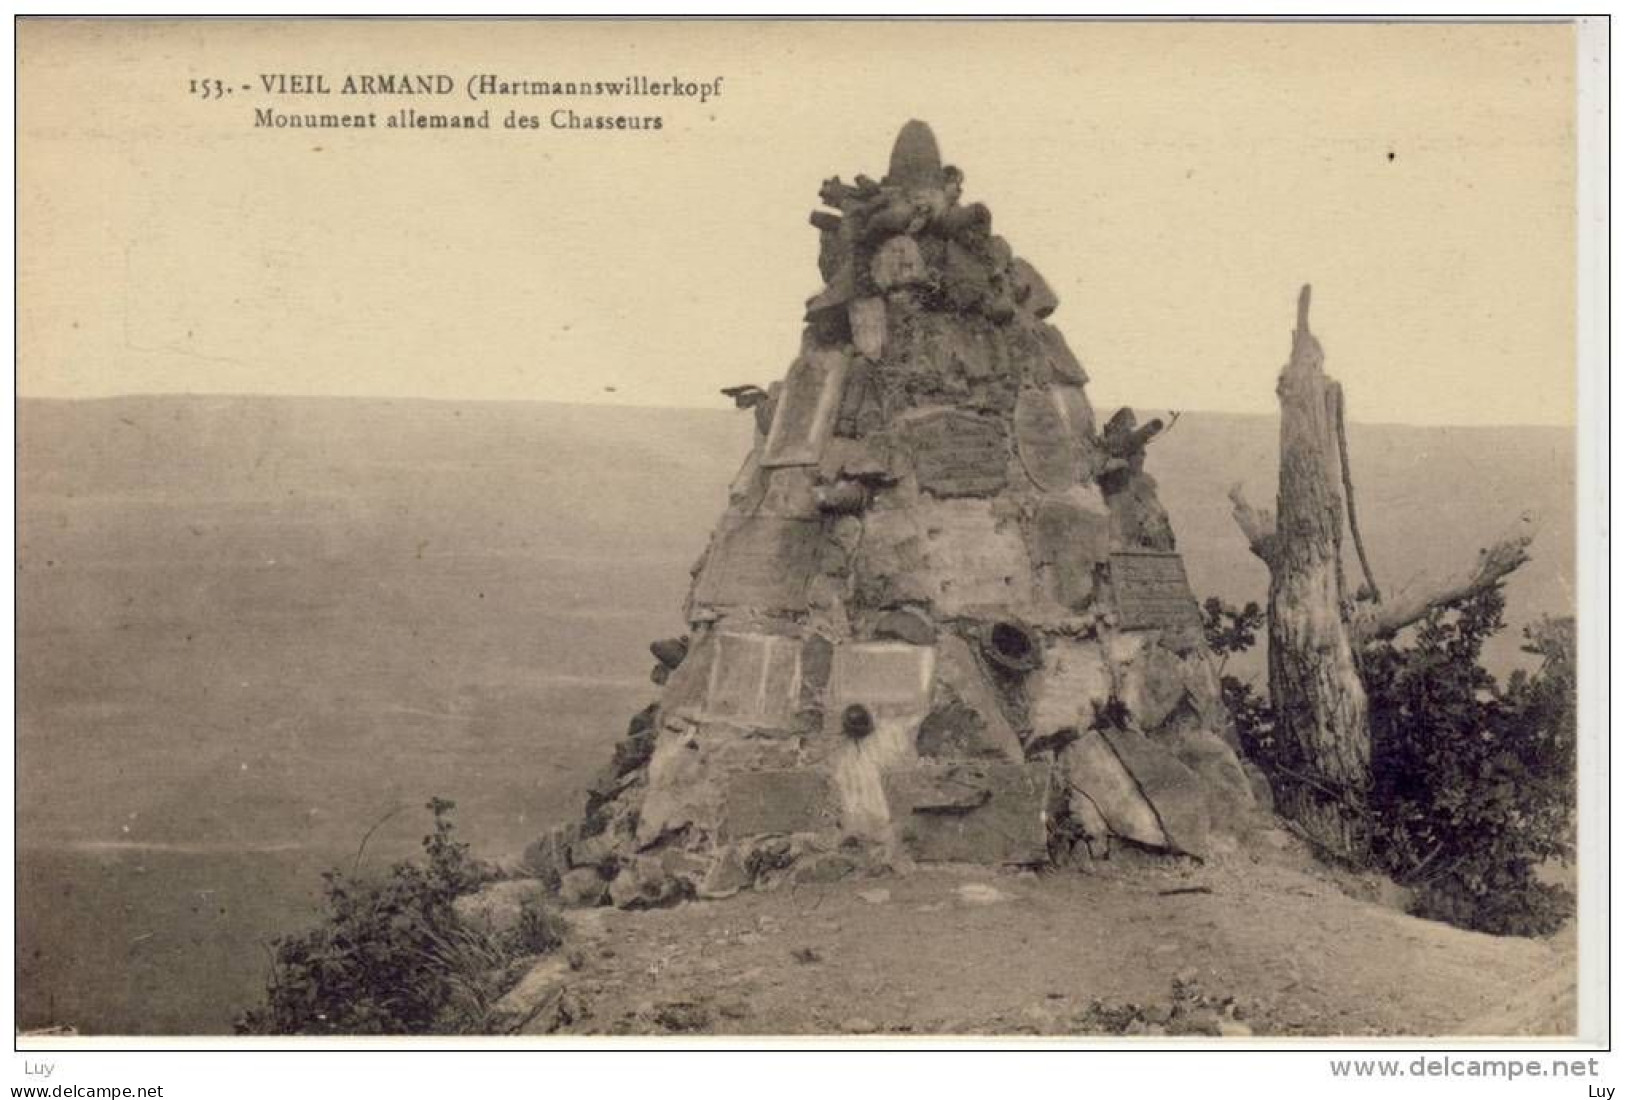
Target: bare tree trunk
<point>1315,687</point>
<point>1322,772</point>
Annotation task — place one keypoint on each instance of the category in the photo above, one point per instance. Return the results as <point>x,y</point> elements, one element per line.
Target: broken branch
<point>1493,564</point>
<point>1257,524</point>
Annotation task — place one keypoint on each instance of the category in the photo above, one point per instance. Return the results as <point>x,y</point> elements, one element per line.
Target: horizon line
<point>720,406</point>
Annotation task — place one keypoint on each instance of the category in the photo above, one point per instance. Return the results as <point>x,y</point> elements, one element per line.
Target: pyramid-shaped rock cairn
<point>942,619</point>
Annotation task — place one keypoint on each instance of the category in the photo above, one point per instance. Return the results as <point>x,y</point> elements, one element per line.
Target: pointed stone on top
<point>1303,309</point>
<point>915,161</point>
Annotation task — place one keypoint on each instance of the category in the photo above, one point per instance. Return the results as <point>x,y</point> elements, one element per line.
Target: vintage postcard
<point>861,532</point>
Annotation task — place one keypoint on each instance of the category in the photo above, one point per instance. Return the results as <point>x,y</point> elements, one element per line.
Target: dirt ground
<point>1248,945</point>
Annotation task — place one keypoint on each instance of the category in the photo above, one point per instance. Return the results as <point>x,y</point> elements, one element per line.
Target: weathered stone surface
<point>1263,794</point>
<point>791,800</point>
<point>1231,797</point>
<point>685,690</point>
<point>959,454</point>
<point>1152,591</point>
<point>1032,293</point>
<point>726,876</point>
<point>862,402</point>
<point>647,883</point>
<point>1075,409</point>
<point>728,747</point>
<point>834,252</point>
<point>973,560</point>
<point>583,888</point>
<point>548,857</point>
<point>763,562</point>
<point>680,792</point>
<point>536,995</point>
<point>889,567</point>
<point>906,624</point>
<point>1069,543</point>
<point>898,263</point>
<point>1103,790</point>
<point>817,656</point>
<point>956,731</point>
<point>1075,678</point>
<point>755,679</point>
<point>824,867</point>
<point>1152,685</point>
<point>867,317</point>
<point>841,289</point>
<point>960,677</point>
<point>496,907</point>
<point>867,460</point>
<point>1177,793</point>
<point>1045,442</point>
<point>1064,366</point>
<point>806,410</point>
<point>841,498</point>
<point>915,161</point>
<point>971,812</point>
<point>966,281</point>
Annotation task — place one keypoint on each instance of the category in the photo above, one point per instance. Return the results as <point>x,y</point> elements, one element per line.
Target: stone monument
<point>942,617</point>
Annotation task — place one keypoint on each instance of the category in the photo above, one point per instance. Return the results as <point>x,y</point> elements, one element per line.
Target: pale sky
<point>1175,184</point>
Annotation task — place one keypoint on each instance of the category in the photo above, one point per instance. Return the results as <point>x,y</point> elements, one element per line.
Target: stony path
<point>1244,947</point>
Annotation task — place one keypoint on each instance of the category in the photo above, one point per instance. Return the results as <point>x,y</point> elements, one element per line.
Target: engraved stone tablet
<point>1152,591</point>
<point>755,679</point>
<point>1045,442</point>
<point>890,678</point>
<point>806,410</point>
<point>764,562</point>
<point>959,454</point>
<point>787,800</point>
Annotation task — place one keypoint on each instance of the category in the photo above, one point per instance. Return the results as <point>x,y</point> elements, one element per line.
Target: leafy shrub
<point>392,956</point>
<point>1473,784</point>
<point>1227,632</point>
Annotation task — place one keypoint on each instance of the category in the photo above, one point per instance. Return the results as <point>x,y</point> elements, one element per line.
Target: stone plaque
<point>1152,591</point>
<point>890,678</point>
<point>1045,442</point>
<point>781,800</point>
<point>806,410</point>
<point>959,454</point>
<point>765,562</point>
<point>755,679</point>
<point>1068,542</point>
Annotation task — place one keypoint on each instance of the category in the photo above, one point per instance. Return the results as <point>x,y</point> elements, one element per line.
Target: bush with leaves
<point>1473,783</point>
<point>1229,631</point>
<point>392,956</point>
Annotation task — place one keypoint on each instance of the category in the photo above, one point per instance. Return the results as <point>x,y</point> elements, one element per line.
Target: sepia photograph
<point>847,533</point>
